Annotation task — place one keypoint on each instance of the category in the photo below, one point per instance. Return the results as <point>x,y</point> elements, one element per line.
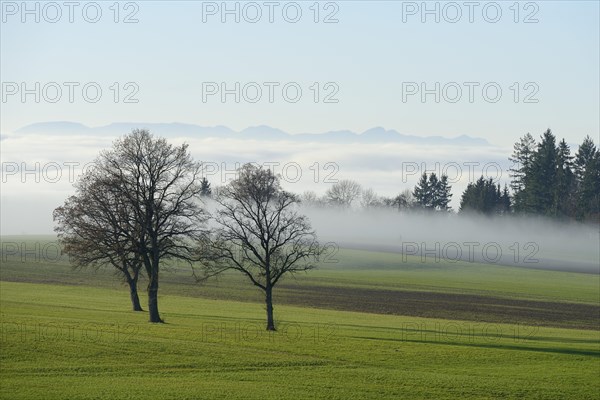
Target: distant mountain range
<point>262,132</point>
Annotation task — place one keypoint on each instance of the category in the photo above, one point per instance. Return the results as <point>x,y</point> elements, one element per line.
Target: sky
<point>318,67</point>
<point>373,57</point>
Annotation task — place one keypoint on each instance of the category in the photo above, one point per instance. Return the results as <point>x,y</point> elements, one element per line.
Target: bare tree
<point>343,193</point>
<point>158,185</point>
<point>369,199</point>
<point>310,198</point>
<point>259,233</point>
<point>404,201</point>
<point>92,230</point>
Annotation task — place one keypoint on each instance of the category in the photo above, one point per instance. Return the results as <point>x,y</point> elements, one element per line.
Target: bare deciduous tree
<point>343,193</point>
<point>157,183</point>
<point>369,199</point>
<point>93,230</point>
<point>404,201</point>
<point>259,233</point>
<point>310,198</point>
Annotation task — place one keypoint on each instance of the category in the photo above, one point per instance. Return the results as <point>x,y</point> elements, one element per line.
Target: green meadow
<point>369,326</point>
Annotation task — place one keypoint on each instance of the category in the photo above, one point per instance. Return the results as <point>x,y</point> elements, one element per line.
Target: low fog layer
<point>38,170</point>
<point>30,193</point>
<point>516,241</point>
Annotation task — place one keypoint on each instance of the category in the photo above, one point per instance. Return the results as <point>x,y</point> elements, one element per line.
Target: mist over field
<point>434,239</point>
<point>32,189</point>
<point>38,170</point>
<point>515,241</point>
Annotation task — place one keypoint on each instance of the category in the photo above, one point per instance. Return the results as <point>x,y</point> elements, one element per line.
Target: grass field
<point>430,331</point>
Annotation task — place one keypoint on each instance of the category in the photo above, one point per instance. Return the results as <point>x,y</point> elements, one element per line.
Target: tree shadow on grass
<point>557,350</point>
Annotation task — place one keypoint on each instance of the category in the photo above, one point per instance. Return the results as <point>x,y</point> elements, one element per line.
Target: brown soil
<point>445,305</point>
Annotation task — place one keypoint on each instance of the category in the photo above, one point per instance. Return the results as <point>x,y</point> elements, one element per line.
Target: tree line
<point>546,179</point>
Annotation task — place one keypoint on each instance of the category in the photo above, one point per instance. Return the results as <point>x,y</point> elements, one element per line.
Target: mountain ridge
<point>260,132</point>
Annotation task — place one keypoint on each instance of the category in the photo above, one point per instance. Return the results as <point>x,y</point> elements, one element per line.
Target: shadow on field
<point>472,330</point>
<point>558,350</point>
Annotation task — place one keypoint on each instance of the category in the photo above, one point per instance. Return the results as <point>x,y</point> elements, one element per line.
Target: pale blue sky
<point>369,53</point>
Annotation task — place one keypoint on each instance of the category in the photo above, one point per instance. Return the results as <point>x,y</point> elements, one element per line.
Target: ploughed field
<point>371,325</point>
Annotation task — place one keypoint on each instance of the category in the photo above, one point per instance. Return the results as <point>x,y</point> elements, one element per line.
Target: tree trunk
<point>269,301</point>
<point>135,300</point>
<point>132,282</point>
<point>153,299</point>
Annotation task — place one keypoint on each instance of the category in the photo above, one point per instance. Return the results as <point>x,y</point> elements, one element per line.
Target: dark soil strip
<point>444,305</point>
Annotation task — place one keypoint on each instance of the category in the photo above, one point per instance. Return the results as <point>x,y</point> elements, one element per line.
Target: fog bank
<point>515,241</point>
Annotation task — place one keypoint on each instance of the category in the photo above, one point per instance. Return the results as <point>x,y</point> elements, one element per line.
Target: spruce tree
<point>565,181</point>
<point>589,190</point>
<point>521,158</point>
<point>422,192</point>
<point>505,200</point>
<point>442,194</point>
<point>585,154</point>
<point>205,190</point>
<point>541,178</point>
